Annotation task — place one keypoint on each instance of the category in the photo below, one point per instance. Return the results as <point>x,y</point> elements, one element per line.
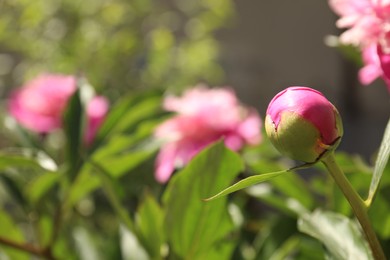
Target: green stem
<point>26,247</point>
<point>356,202</point>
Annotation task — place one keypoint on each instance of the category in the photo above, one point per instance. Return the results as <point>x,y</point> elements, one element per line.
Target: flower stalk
<point>356,202</point>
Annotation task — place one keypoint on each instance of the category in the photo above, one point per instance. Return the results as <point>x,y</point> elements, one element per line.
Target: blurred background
<point>256,47</point>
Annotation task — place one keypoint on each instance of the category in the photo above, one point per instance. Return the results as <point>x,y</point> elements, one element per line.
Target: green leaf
<point>379,214</point>
<point>73,125</point>
<point>85,245</point>
<point>287,249</point>
<point>26,158</point>
<point>249,181</point>
<point>293,186</point>
<point>111,187</point>
<point>149,223</point>
<point>9,230</point>
<point>194,227</point>
<point>41,185</point>
<point>266,193</point>
<point>116,165</point>
<point>339,234</point>
<point>252,180</point>
<point>131,248</point>
<point>129,112</point>
<point>380,164</point>
<point>272,235</point>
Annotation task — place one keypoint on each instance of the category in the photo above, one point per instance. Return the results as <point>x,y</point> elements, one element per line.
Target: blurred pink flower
<point>39,104</point>
<point>372,66</point>
<point>368,28</point>
<point>367,20</point>
<point>203,116</point>
<point>384,60</point>
<point>97,109</point>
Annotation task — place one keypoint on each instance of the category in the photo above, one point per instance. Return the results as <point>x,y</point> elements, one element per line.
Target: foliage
<point>116,44</point>
<point>63,199</point>
<point>110,206</point>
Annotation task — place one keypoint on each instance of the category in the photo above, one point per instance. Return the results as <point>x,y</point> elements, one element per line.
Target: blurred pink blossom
<point>366,20</point>
<point>368,27</point>
<point>203,116</point>
<point>97,109</point>
<point>39,105</point>
<point>384,60</point>
<point>372,66</point>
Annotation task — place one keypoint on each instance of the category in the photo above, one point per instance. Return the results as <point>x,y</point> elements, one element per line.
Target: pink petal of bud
<point>302,123</point>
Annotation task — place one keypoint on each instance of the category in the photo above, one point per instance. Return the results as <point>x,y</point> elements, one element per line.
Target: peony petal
<point>39,104</point>
<point>165,163</point>
<point>96,112</point>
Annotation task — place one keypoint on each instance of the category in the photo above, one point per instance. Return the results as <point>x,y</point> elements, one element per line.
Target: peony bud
<point>302,124</point>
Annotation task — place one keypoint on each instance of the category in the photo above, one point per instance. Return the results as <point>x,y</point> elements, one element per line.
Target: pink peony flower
<point>302,123</point>
<point>384,60</point>
<point>368,27</point>
<point>97,109</point>
<point>203,116</point>
<point>366,20</point>
<point>39,104</point>
<point>372,66</point>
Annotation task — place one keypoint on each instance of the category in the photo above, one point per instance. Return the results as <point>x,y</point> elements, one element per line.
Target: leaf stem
<point>42,252</point>
<point>356,202</point>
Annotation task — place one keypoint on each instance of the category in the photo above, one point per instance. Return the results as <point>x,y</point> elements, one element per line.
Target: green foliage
<point>252,180</point>
<point>73,121</point>
<point>116,44</point>
<point>246,183</point>
<point>340,235</point>
<point>10,230</point>
<point>61,198</point>
<point>194,228</point>
<point>380,164</point>
<point>150,226</point>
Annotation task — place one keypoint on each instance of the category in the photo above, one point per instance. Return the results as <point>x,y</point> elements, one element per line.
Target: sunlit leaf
<point>86,248</point>
<point>252,180</point>
<point>380,164</point>
<point>339,234</point>
<point>249,181</point>
<point>26,158</point>
<point>128,112</point>
<point>149,223</point>
<point>131,248</point>
<point>11,231</point>
<point>41,185</point>
<point>193,226</point>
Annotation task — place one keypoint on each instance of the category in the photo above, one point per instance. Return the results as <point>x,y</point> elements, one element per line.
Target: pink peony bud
<point>302,124</point>
<point>39,104</point>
